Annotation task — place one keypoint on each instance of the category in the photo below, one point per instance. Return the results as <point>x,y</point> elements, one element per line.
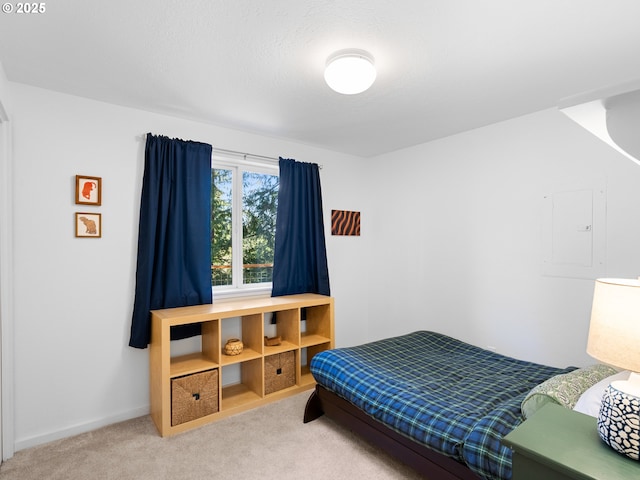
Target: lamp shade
<point>350,71</point>
<point>614,331</point>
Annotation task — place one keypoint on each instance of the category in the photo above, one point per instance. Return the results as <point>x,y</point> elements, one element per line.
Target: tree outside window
<point>243,219</point>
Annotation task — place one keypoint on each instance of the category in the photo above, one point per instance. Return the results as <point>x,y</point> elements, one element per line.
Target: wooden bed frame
<point>432,465</point>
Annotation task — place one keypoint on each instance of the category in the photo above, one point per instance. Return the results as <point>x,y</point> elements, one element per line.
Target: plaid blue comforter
<point>458,399</point>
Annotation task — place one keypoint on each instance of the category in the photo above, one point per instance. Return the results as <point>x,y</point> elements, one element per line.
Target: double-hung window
<point>244,197</point>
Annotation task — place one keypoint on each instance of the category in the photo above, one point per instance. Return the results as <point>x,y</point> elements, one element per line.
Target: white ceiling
<point>444,66</point>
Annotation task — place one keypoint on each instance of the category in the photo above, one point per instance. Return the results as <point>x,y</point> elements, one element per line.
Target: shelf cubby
<point>308,353</point>
<point>248,391</point>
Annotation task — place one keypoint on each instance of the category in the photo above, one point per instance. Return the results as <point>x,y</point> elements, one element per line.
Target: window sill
<point>241,292</point>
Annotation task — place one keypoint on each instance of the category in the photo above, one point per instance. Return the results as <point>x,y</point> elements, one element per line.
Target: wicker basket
<point>279,372</point>
<point>194,396</point>
<point>234,346</point>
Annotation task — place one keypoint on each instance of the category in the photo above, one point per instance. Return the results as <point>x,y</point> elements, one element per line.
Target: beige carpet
<point>267,443</point>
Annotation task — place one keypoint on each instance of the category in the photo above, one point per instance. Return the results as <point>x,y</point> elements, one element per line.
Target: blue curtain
<point>174,238</point>
<point>300,253</point>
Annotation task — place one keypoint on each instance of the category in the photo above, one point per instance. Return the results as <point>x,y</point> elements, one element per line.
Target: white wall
<point>73,297</point>
<point>459,226</point>
<point>6,269</point>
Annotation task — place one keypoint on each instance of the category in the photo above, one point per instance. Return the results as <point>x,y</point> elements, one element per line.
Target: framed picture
<point>88,225</point>
<point>344,222</point>
<point>88,190</point>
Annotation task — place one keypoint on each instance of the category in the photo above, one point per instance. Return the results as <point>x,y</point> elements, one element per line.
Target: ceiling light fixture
<point>350,71</point>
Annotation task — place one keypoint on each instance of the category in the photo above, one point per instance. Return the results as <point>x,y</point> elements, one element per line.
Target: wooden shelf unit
<point>305,323</point>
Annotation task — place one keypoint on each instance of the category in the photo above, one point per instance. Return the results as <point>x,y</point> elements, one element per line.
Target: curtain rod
<point>245,154</point>
<point>235,152</point>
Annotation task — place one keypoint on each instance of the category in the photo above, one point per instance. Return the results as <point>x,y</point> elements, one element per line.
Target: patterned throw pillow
<point>564,389</point>
<point>591,400</point>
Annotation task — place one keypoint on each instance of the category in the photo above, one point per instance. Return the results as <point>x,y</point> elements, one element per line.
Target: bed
<point>434,402</point>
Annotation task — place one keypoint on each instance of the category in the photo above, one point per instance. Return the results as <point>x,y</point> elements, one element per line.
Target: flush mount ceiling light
<point>350,71</point>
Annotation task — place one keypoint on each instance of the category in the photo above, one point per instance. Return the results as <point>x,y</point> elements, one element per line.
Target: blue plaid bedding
<point>458,399</point>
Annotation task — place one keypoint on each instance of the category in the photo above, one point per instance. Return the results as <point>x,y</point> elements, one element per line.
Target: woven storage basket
<point>194,396</point>
<point>279,372</point>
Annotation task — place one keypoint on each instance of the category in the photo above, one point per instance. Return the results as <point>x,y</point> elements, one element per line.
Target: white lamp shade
<point>614,331</point>
<point>350,71</point>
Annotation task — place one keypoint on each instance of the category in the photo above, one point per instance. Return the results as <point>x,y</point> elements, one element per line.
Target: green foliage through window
<point>256,195</point>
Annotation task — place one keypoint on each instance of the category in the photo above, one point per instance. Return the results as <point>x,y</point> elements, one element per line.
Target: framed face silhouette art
<point>88,190</point>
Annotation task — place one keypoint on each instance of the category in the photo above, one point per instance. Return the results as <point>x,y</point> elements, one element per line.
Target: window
<point>244,199</point>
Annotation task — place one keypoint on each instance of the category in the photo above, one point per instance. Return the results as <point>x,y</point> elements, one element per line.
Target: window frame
<point>238,164</point>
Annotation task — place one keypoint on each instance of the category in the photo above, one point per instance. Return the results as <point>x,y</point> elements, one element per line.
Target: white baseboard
<point>78,429</point>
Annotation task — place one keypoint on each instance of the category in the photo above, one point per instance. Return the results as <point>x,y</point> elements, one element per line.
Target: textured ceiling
<point>444,66</point>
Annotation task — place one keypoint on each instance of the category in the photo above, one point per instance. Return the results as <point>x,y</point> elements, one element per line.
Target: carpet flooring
<point>267,443</point>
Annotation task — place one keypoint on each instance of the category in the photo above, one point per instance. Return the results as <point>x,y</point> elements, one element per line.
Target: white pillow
<point>590,401</point>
